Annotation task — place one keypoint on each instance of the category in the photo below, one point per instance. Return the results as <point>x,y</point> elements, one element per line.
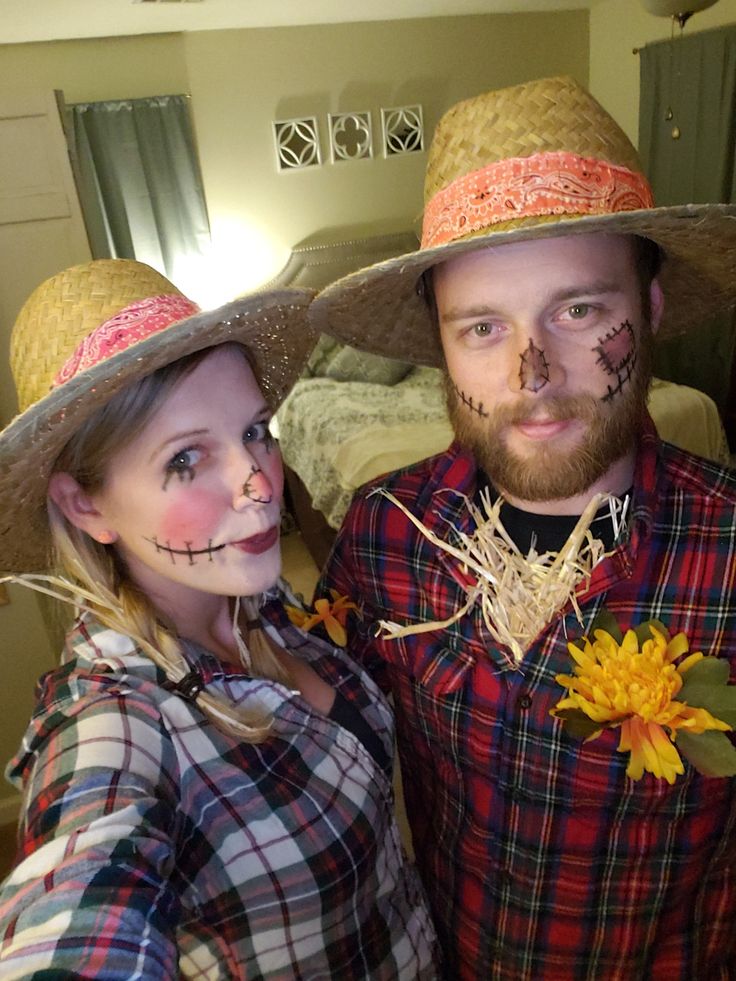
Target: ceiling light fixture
<point>679,10</point>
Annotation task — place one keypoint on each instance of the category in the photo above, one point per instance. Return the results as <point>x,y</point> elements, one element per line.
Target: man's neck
<point>616,480</point>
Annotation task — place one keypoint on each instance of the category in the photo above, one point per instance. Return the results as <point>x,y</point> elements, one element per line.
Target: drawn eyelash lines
<point>617,356</point>
<point>188,551</point>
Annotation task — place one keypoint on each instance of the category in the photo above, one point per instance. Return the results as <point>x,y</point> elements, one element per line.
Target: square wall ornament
<point>351,136</point>
<point>403,130</point>
<point>297,143</point>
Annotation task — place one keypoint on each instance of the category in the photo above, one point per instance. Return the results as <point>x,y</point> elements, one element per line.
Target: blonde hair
<point>96,573</point>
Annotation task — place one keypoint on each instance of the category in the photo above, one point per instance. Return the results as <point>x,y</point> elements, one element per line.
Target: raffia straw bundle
<point>518,594</point>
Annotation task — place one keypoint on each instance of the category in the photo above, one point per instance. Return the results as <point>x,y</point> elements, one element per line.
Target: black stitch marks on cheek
<point>248,490</point>
<point>188,551</point>
<point>534,369</point>
<point>617,356</point>
<point>469,402</point>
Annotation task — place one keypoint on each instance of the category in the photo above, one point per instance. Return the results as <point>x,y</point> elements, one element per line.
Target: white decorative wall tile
<point>351,136</point>
<point>297,143</point>
<point>403,130</point>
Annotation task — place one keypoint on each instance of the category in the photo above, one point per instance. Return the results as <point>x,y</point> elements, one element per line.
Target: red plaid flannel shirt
<point>541,858</point>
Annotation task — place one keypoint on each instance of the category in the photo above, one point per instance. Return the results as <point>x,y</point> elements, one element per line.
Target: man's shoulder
<point>451,468</point>
<point>695,477</point>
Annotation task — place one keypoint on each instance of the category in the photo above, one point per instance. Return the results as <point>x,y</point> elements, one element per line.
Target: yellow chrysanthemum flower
<point>332,614</point>
<point>620,685</point>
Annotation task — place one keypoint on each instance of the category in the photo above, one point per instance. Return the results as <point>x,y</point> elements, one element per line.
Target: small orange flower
<point>333,615</point>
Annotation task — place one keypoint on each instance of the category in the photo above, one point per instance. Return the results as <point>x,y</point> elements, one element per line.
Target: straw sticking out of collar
<point>518,595</point>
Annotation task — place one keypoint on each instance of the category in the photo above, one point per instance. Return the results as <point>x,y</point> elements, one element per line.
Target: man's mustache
<point>554,408</point>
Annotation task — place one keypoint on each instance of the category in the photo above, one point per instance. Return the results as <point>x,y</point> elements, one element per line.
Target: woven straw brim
<point>273,326</point>
<point>379,308</point>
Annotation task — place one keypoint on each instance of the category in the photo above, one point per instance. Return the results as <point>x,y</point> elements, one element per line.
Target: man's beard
<point>551,474</point>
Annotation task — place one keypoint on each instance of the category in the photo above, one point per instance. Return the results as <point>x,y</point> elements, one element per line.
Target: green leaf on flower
<point>643,632</point>
<point>577,724</point>
<point>705,685</point>
<point>711,753</point>
<point>707,671</point>
<point>720,702</point>
<point>605,620</point>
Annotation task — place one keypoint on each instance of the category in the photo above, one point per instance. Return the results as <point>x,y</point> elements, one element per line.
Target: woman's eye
<point>578,311</point>
<point>258,432</point>
<point>482,329</point>
<point>182,464</point>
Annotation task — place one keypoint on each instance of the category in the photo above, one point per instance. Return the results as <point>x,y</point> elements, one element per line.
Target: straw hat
<point>537,160</point>
<point>85,334</point>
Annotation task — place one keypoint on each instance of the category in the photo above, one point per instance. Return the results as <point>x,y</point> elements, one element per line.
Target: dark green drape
<point>694,76</point>
<point>139,180</point>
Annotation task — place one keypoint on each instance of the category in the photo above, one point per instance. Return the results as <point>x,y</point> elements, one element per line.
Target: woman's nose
<point>255,489</point>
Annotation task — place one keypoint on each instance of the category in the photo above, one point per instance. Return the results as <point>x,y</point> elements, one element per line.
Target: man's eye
<point>257,432</point>
<point>578,311</point>
<point>482,329</point>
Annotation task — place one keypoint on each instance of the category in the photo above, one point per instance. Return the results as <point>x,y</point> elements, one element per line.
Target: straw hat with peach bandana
<point>537,160</point>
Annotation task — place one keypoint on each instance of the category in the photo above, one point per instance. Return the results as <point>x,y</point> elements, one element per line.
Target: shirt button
<point>525,701</point>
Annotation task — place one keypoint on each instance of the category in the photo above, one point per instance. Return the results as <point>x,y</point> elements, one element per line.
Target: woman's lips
<point>258,543</point>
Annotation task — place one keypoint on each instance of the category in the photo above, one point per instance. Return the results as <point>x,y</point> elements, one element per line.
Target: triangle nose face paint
<point>534,369</point>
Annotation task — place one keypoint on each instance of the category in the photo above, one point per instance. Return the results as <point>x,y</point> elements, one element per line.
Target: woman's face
<point>193,502</point>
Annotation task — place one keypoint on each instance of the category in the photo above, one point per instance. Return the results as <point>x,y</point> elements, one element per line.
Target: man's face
<point>548,357</point>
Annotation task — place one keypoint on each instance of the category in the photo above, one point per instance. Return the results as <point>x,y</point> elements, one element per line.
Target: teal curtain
<point>140,185</point>
<point>692,79</point>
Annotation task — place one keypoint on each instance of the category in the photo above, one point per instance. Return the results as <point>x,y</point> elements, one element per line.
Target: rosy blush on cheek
<point>191,520</point>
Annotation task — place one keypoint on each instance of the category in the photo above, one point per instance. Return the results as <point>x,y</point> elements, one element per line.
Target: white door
<point>41,233</point>
<point>41,226</point>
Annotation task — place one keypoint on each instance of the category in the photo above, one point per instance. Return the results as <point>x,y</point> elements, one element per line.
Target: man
<point>559,830</point>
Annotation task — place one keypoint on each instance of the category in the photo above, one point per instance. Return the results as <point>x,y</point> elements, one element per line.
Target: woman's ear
<point>78,508</point>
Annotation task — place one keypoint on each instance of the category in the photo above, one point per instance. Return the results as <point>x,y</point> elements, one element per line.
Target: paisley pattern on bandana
<point>132,324</point>
<point>522,187</point>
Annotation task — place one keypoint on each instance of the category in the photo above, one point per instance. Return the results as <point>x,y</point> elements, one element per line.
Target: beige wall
<point>88,71</point>
<point>240,81</point>
<point>619,26</point>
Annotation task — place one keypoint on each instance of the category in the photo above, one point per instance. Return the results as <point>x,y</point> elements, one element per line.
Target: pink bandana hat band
<point>132,324</point>
<point>554,183</point>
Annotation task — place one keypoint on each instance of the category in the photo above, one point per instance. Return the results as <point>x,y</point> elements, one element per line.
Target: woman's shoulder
<point>90,645</point>
<point>98,666</point>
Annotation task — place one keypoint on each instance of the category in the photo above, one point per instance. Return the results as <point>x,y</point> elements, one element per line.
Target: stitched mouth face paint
<point>468,402</point>
<point>534,369</point>
<point>189,552</point>
<point>617,356</point>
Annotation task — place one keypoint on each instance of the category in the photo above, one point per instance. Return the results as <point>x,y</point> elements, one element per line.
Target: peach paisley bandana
<point>132,324</point>
<point>519,187</point>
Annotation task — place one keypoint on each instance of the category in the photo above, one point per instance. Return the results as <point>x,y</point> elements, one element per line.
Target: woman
<point>207,788</point>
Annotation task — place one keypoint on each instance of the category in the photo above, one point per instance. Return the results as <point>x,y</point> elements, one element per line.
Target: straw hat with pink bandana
<point>87,333</point>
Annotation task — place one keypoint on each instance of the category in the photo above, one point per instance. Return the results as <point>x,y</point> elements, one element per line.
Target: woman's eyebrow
<point>176,438</point>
